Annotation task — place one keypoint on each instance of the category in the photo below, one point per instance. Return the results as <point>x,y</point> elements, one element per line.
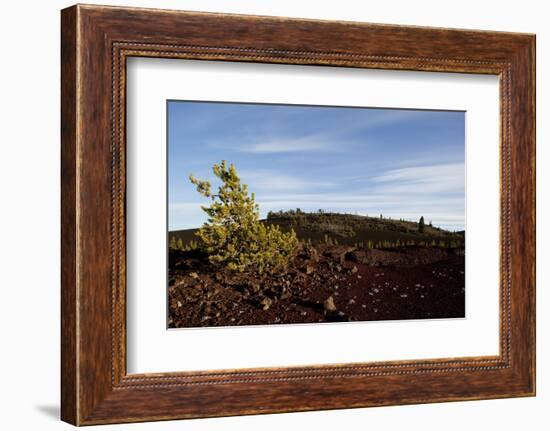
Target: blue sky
<point>396,162</point>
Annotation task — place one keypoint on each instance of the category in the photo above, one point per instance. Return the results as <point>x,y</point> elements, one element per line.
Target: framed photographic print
<point>265,214</point>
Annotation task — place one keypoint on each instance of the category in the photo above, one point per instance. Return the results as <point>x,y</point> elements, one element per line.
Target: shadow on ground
<point>52,411</point>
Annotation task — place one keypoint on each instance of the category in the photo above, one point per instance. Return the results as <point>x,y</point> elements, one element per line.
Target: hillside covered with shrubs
<point>328,228</point>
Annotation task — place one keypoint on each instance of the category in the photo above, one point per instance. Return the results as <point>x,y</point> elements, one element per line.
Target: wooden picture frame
<point>95,43</point>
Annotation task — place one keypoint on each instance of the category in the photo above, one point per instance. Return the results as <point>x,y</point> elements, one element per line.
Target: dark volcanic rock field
<point>322,284</point>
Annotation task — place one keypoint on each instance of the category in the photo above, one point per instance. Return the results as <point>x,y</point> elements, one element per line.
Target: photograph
<point>294,214</point>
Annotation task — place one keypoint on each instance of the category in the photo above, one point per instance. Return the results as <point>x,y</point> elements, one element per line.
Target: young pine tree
<point>233,236</point>
<point>173,243</point>
<point>421,225</point>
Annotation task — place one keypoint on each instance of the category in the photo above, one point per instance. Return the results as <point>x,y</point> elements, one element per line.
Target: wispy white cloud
<point>287,146</point>
<point>273,182</point>
<point>326,138</point>
<point>423,180</point>
<point>282,145</point>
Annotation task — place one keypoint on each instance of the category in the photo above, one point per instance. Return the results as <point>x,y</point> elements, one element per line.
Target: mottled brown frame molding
<point>96,41</point>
